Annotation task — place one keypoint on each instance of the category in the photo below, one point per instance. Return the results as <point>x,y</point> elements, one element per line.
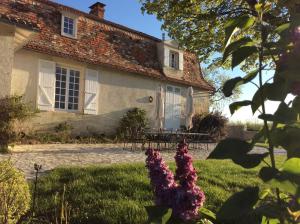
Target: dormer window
<point>69,26</point>
<point>174,60</point>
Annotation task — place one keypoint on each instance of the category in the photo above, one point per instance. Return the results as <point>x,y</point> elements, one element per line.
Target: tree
<point>217,79</point>
<point>198,24</point>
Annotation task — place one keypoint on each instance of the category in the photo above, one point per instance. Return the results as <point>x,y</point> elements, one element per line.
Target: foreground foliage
<point>119,193</point>
<point>14,194</point>
<point>281,202</point>
<point>178,195</point>
<point>12,109</point>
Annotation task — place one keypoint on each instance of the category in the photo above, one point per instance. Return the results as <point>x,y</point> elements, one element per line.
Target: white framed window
<point>66,88</point>
<point>69,26</point>
<point>174,60</point>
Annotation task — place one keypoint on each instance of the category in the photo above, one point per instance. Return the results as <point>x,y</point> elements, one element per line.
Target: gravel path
<point>51,156</point>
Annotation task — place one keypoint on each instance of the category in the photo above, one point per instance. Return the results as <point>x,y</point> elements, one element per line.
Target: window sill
<point>69,36</point>
<point>67,111</point>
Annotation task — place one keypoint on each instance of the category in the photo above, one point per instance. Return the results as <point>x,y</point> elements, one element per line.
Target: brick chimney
<point>98,10</point>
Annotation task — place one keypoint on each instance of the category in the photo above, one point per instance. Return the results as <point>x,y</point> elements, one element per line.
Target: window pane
<point>68,25</point>
<point>60,91</point>
<point>73,90</point>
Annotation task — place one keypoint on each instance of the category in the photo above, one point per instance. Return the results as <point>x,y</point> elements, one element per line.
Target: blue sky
<point>128,13</point>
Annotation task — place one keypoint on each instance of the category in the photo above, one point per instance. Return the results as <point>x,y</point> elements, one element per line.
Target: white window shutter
<point>167,57</point>
<point>181,61</point>
<point>46,85</point>
<point>91,92</point>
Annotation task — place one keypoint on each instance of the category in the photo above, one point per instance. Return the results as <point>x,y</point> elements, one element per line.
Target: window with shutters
<point>174,60</point>
<point>67,89</point>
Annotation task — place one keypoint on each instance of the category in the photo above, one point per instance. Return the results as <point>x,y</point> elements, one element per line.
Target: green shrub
<point>213,123</point>
<point>63,131</point>
<point>14,194</point>
<point>11,109</point>
<point>133,124</point>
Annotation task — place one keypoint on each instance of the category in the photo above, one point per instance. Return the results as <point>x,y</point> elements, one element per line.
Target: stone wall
<point>7,58</point>
<point>119,92</point>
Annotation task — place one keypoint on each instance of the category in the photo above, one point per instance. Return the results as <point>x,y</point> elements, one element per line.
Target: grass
<point>118,193</point>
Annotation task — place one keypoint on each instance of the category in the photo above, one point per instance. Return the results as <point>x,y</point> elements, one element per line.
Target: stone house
<point>78,67</point>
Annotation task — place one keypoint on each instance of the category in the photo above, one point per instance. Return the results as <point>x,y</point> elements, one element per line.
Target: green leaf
<point>234,24</point>
<point>242,54</point>
<point>292,167</point>
<point>245,41</point>
<point>167,217</point>
<point>259,97</point>
<point>239,206</point>
<point>288,178</point>
<point>267,173</point>
<point>264,193</point>
<point>156,214</point>
<point>231,84</point>
<point>276,91</point>
<point>282,28</point>
<point>205,213</point>
<point>237,105</point>
<point>266,220</point>
<point>283,115</point>
<point>237,150</point>
<point>249,161</point>
<point>288,138</point>
<point>230,148</point>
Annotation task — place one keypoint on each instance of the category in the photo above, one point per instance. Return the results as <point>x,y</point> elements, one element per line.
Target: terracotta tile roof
<point>9,13</point>
<point>98,42</point>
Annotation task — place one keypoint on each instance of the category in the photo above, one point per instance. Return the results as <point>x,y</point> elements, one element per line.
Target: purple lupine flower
<point>187,202</point>
<point>185,198</point>
<point>189,197</point>
<point>162,179</point>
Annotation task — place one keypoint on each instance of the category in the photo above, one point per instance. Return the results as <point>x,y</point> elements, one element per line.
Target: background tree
<point>217,79</point>
<point>198,25</point>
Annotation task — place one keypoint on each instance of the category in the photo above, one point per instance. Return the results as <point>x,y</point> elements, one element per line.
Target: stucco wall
<point>118,92</point>
<point>7,57</point>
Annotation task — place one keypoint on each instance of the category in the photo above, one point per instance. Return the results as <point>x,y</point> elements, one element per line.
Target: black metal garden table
<point>169,139</point>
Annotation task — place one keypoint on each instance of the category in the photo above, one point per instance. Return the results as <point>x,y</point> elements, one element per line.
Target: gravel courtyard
<point>51,156</point>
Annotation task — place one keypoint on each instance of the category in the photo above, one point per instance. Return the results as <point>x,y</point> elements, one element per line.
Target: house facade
<point>80,68</point>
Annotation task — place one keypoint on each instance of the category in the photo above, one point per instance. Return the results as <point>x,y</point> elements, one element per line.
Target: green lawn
<point>118,194</point>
